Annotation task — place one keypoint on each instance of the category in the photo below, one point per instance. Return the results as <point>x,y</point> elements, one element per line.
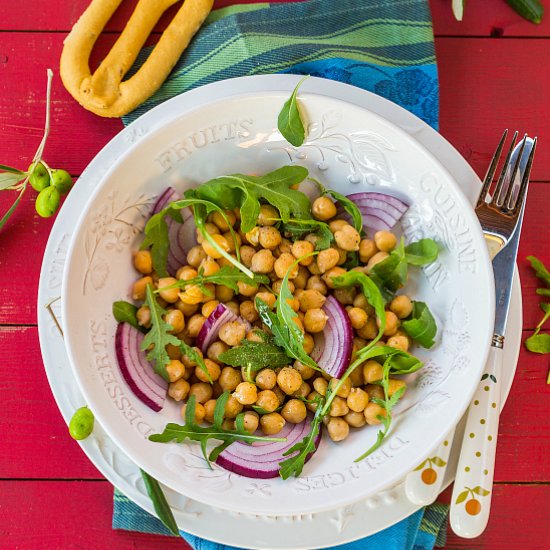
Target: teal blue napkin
<point>384,46</point>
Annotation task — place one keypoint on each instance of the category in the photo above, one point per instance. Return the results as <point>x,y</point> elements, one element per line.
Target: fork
<point>500,214</point>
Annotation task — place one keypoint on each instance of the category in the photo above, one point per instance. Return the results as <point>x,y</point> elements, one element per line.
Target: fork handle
<point>471,499</point>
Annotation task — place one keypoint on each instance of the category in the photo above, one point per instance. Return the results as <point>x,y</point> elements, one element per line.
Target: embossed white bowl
<point>349,149</point>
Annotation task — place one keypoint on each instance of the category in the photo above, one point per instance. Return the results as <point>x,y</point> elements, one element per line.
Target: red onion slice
<point>333,346</point>
<point>145,383</point>
<point>170,195</point>
<point>379,211</point>
<point>211,327</point>
<point>261,459</point>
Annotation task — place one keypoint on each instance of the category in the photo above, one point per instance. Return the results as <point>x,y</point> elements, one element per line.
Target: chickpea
<point>358,317</point>
<point>262,261</point>
<point>313,268</point>
<point>374,391</point>
<point>367,249</point>
<point>212,368</point>
<point>230,378</point>
<point>138,290</point>
<point>269,237</point>
<point>246,393</point>
<point>355,419</point>
<point>303,391</point>
<point>268,215</point>
<point>221,222</point>
<point>209,407</point>
<point>392,323</point>
<point>311,299</point>
<point>289,380</point>
<point>200,412</point>
<point>253,236</point>
<point>357,399</point>
<point>394,385</point>
<point>221,241</point>
<point>175,370</point>
<point>143,261</point>
<point>280,394</point>
<point>283,264</point>
<point>336,225</point>
<point>294,411</point>
<point>323,209</point>
<point>284,247</point>
<point>175,319</point>
<point>202,391</point>
<point>376,259</point>
<point>251,419</point>
<point>372,371</point>
<point>191,294</point>
<point>187,309</point>
<point>347,238</point>
<point>248,311</point>
<point>320,385</point>
<point>268,297</point>
<point>343,390</point>
<point>215,350</point>
<point>312,406</point>
<point>338,429</point>
<point>247,290</point>
<point>232,407</point>
<point>233,306</point>
<point>300,249</point>
<point>267,400</point>
<point>345,295</point>
<point>188,362</point>
<point>209,307</point>
<point>401,306</point>
<point>247,253</point>
<point>276,286</point>
<point>372,412</point>
<point>308,343</point>
<point>385,240</point>
<point>316,283</point>
<point>361,301</point>
<point>143,316</point>
<point>399,341</point>
<point>194,325</point>
<point>179,389</point>
<point>228,424</point>
<point>331,273</point>
<point>256,335</point>
<point>272,423</point>
<point>315,320</point>
<point>338,407</point>
<point>186,272</point>
<point>327,259</point>
<point>293,303</point>
<point>300,281</point>
<point>369,331</point>
<point>174,352</point>
<point>195,256</point>
<point>266,379</point>
<point>232,333</point>
<point>306,372</point>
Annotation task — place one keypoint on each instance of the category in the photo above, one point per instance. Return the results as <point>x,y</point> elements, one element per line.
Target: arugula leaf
<point>349,206</point>
<point>245,192</point>
<point>196,357</point>
<point>160,504</point>
<point>422,252</point>
<point>158,336</point>
<point>290,122</point>
<point>125,312</point>
<point>296,229</point>
<point>156,238</point>
<point>194,432</point>
<point>540,270</point>
<point>255,355</point>
<point>391,274</point>
<point>294,465</point>
<point>421,325</point>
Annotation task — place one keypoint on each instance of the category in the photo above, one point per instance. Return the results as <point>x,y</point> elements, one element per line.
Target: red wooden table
<point>493,71</point>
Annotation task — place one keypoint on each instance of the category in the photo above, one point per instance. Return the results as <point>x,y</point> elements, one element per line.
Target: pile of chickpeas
<point>279,393</point>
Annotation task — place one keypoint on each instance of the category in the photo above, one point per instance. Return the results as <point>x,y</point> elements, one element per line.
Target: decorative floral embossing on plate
<point>457,338</point>
<point>342,517</point>
<point>364,152</point>
<point>134,133</point>
<point>112,228</point>
<point>259,489</point>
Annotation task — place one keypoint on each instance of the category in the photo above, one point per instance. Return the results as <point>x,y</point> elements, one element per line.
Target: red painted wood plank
<point>35,443</point>
<point>485,18</point>
<point>46,515</point>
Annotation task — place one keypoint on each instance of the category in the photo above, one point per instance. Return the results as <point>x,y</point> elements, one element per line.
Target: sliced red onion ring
<point>211,327</point>
<point>332,349</point>
<point>261,459</point>
<point>379,211</point>
<point>145,383</point>
<point>170,195</point>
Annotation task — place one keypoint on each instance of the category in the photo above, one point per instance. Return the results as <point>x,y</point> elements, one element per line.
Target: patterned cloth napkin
<point>384,46</point>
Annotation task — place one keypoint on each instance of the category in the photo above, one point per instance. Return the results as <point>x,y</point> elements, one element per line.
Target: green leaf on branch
<point>290,122</point>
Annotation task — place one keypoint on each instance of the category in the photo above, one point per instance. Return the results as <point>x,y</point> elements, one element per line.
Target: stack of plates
<point>357,141</point>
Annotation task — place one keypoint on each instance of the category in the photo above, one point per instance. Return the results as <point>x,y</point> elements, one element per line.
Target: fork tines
<point>505,198</point>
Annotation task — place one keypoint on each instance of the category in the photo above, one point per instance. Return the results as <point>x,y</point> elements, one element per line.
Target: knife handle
<point>471,499</point>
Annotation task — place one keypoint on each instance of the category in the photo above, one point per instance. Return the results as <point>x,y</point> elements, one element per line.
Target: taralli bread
<point>103,92</point>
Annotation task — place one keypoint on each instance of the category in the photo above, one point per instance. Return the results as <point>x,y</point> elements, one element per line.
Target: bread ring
<point>103,92</point>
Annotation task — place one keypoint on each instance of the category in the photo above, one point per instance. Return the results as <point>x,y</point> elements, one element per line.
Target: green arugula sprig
<point>296,229</point>
<point>245,192</point>
<point>160,504</point>
<point>421,325</point>
<point>255,356</point>
<point>227,275</point>
<point>537,342</point>
<point>125,312</point>
<point>290,122</point>
<point>194,432</point>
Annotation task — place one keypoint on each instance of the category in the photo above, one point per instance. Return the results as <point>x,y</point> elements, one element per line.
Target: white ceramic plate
<point>351,149</point>
<point>324,529</point>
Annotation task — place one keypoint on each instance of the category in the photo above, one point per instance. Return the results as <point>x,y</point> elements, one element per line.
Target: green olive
<point>62,181</point>
<point>47,202</point>
<point>40,179</point>
<point>82,423</point>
